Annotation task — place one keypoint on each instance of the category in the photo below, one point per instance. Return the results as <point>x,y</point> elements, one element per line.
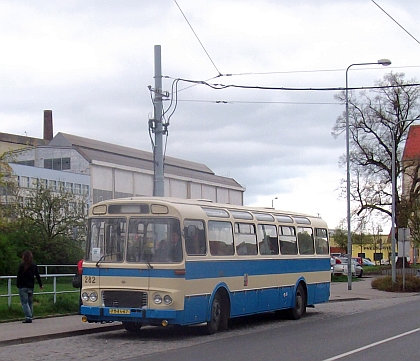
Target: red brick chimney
<point>48,125</point>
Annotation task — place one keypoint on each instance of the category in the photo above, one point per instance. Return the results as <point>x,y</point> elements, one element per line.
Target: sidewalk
<point>12,333</point>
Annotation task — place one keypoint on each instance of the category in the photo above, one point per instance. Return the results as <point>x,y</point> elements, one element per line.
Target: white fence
<point>9,293</point>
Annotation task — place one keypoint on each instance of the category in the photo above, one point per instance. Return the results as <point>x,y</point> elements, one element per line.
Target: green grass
<point>343,278</point>
<point>67,303</point>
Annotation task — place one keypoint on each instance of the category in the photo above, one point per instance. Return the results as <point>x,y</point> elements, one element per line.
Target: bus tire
<point>133,327</point>
<point>215,314</point>
<point>299,308</point>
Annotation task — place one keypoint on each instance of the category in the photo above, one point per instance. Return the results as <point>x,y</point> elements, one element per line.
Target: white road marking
<point>371,345</point>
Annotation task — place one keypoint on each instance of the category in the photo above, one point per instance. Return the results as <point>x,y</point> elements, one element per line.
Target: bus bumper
<point>144,315</point>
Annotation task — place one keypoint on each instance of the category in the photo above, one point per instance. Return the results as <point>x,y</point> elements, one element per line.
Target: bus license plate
<point>119,311</point>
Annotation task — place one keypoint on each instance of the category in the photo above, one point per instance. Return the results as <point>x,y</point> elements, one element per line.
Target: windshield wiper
<point>101,259</point>
<point>149,266</point>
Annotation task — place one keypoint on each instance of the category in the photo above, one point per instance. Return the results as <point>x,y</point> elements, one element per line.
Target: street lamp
<point>384,62</point>
<point>272,202</point>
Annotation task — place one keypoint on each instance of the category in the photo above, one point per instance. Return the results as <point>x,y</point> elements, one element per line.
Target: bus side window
<point>195,241</point>
<point>221,238</point>
<point>288,241</point>
<point>267,239</point>
<point>305,240</point>
<point>321,241</point>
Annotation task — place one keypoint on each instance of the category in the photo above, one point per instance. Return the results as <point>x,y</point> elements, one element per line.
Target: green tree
<point>8,193</point>
<point>377,120</point>
<point>340,238</point>
<point>54,225</point>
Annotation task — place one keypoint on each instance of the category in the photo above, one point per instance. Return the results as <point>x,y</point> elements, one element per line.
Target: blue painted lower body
<point>197,308</point>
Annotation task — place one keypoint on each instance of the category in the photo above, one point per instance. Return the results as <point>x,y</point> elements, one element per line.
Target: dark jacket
<point>25,279</point>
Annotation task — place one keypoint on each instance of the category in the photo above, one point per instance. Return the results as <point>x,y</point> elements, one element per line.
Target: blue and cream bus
<point>167,261</point>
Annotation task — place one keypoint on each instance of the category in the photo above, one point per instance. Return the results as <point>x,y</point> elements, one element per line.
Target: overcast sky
<point>91,62</point>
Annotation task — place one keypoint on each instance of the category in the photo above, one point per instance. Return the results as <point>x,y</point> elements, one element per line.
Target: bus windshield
<point>141,240</point>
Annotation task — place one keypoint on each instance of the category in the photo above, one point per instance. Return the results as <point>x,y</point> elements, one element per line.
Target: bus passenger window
<point>305,240</point>
<point>288,241</point>
<point>267,239</point>
<point>321,241</point>
<point>245,239</point>
<point>195,240</point>
<point>220,238</point>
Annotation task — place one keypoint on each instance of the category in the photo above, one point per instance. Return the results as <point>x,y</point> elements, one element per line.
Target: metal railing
<point>54,292</point>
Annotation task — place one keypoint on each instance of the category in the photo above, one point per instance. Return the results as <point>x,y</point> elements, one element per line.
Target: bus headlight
<point>93,296</point>
<point>167,300</point>
<point>157,299</point>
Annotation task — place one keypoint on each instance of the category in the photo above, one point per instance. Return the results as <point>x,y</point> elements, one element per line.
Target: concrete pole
<point>158,180</point>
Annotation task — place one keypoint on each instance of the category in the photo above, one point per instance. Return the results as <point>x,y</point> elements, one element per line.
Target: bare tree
<point>377,120</point>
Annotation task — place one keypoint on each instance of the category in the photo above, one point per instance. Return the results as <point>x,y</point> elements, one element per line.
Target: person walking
<point>25,283</point>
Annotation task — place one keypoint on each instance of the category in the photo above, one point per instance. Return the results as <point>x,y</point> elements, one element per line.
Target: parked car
<point>367,262</point>
<point>339,266</point>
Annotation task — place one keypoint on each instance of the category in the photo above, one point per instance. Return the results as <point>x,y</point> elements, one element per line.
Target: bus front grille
<point>124,299</point>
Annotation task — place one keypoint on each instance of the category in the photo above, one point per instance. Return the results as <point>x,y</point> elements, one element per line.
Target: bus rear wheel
<point>133,327</point>
<point>216,315</point>
<point>299,308</point>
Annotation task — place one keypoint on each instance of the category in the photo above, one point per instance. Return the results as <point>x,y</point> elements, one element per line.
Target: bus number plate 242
<point>119,311</point>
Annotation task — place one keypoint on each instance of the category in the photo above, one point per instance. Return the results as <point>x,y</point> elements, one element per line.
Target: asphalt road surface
<point>386,329</point>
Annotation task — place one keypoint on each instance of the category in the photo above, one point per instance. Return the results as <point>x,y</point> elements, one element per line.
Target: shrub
<point>412,284</point>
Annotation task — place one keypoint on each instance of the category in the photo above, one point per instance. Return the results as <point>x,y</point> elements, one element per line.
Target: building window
<point>24,182</point>
<point>69,187</point>
<point>85,189</point>
<point>57,163</point>
<point>53,185</point>
<point>27,162</point>
<point>77,188</point>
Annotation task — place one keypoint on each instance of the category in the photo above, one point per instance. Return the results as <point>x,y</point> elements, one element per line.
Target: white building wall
<point>235,197</point>
<point>222,195</point>
<point>124,181</point>
<point>102,178</point>
<point>194,190</point>
<point>209,192</point>
<point>177,188</point>
<point>143,184</point>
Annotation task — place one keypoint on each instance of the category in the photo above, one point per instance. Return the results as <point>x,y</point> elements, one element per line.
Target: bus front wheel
<point>133,327</point>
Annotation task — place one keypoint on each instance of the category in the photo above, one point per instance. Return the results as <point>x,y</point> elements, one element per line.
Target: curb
<point>29,339</point>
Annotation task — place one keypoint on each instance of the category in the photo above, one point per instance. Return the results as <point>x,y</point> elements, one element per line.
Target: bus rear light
<point>180,272</point>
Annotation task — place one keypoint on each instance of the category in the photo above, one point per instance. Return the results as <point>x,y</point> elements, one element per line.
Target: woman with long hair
<point>25,283</point>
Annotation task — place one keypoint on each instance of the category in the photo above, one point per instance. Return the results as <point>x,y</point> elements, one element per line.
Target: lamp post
<point>272,202</point>
<point>384,62</point>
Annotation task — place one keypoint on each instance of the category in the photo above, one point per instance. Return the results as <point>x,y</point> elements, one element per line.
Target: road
<point>365,330</point>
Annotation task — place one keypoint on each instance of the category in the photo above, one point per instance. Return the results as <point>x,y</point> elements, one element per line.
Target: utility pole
<point>157,127</point>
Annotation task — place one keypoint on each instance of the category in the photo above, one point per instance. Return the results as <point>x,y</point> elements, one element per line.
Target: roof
<point>21,139</point>
<point>412,145</point>
<point>94,150</point>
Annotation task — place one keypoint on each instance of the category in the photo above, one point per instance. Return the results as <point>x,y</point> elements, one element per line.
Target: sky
<point>91,63</point>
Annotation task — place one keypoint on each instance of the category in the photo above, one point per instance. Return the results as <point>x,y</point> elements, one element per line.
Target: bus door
<point>107,244</point>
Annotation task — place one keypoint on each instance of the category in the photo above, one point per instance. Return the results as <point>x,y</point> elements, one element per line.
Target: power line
<point>254,102</point>
<point>396,22</point>
<point>226,86</point>
<point>312,71</point>
<point>208,55</point>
